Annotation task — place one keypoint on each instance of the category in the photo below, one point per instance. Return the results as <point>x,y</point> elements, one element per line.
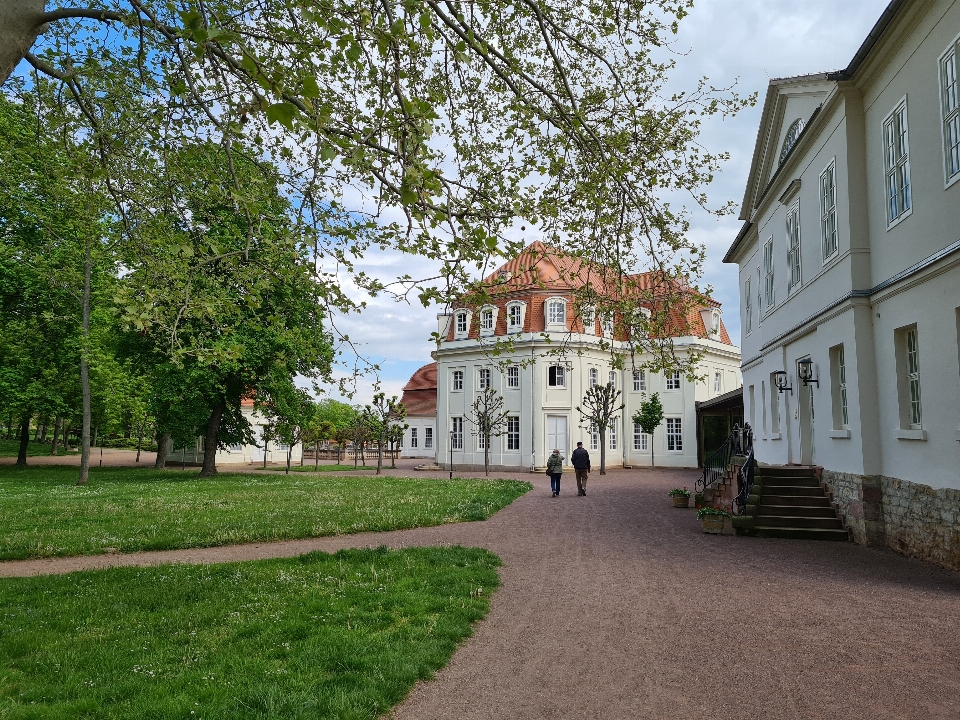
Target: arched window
<point>556,313</point>
<point>793,134</point>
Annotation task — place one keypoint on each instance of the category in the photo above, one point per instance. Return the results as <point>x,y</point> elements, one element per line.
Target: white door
<point>557,435</point>
<point>806,425</point>
<point>257,450</point>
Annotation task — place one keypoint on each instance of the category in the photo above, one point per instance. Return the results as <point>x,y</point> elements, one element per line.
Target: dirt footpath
<point>616,605</point>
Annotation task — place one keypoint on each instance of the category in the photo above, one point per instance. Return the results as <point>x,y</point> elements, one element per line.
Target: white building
<point>542,389</point>
<point>848,262</point>
<point>420,401</point>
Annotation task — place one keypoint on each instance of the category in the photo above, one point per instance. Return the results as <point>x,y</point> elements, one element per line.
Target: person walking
<point>555,470</point>
<point>581,466</point>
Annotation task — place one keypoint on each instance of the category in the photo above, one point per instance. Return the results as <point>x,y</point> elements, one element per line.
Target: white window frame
<point>748,307</point>
<point>513,377</point>
<point>769,290</point>
<point>606,325</point>
<point>612,378</point>
<point>612,436</point>
<point>413,437</point>
<point>456,380</point>
<point>838,378</point>
<point>428,438</point>
<point>488,320</point>
<point>483,378</point>
<point>912,347</point>
<point>793,246</point>
<point>555,313</point>
<point>456,438</point>
<point>556,376</point>
<point>673,380</point>
<point>594,437</point>
<point>639,381</point>
<point>588,315</point>
<point>948,65</point>
<point>790,139</point>
<point>829,234</point>
<point>513,433</point>
<point>593,377</point>
<point>717,381</point>
<point>461,324</point>
<point>896,182</point>
<point>641,441</point>
<point>674,434</point>
<point>516,314</point>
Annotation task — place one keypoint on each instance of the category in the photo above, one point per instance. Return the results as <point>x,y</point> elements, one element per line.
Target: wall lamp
<point>805,371</point>
<point>780,378</point>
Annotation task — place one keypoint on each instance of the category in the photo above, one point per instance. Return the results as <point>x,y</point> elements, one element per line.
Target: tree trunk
<point>163,440</point>
<point>603,451</point>
<point>84,369</point>
<point>139,445</point>
<point>57,425</point>
<point>316,455</point>
<point>66,436</point>
<point>393,456</point>
<point>36,434</point>
<point>486,455</point>
<point>289,454</point>
<point>24,442</point>
<point>19,28</point>
<point>209,468</point>
<point>651,451</point>
<point>10,427</point>
<point>379,453</point>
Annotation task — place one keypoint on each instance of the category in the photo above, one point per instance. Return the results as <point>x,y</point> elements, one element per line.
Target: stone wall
<point>922,522</point>
<point>860,499</point>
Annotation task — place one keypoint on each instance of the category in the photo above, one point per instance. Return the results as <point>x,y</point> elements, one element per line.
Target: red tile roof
<point>420,393</point>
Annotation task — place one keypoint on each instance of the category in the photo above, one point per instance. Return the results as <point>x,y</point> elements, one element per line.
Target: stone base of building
<point>912,518</point>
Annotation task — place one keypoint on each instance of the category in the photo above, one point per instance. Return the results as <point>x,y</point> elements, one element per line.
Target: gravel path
<point>616,605</point>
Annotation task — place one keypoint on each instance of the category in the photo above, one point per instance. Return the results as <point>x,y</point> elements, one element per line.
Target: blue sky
<point>743,41</point>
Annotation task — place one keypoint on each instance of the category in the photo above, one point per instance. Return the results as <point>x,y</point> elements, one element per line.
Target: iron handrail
<point>740,442</point>
<point>745,478</point>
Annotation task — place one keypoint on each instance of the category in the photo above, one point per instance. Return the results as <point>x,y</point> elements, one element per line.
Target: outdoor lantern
<point>805,371</point>
<point>780,378</point>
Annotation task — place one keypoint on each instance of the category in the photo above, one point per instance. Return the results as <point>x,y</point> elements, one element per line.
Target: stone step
<point>786,471</point>
<point>801,533</point>
<point>797,510</point>
<point>795,521</point>
<point>768,498</point>
<point>792,490</point>
<point>791,481</point>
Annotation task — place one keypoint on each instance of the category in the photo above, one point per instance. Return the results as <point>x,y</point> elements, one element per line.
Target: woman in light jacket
<point>555,470</point>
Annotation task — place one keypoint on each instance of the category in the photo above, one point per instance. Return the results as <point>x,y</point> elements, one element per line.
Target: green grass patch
<point>43,513</point>
<point>10,448</point>
<point>326,468</point>
<point>320,636</point>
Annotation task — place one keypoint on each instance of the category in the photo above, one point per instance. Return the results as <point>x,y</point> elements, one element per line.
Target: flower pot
<point>712,524</point>
<point>680,501</point>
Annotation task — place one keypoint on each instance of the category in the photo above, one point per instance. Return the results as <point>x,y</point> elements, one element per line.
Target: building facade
<point>551,359</point>
<point>420,402</point>
<point>849,263</point>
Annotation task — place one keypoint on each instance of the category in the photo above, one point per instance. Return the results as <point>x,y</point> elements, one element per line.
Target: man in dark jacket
<point>581,465</point>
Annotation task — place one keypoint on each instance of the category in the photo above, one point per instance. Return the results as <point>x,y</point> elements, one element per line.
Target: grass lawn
<point>43,513</point>
<point>320,636</point>
<point>10,448</point>
<point>326,468</point>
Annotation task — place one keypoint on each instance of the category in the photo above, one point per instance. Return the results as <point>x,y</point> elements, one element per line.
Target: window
<point>235,447</point>
<point>594,375</point>
<point>793,244</point>
<point>483,379</point>
<point>909,361</point>
<point>282,446</point>
<point>607,325</point>
<point>717,381</point>
<point>556,376</point>
<point>456,433</point>
<point>748,307</point>
<point>950,109</point>
<point>428,438</point>
<point>513,432</point>
<point>793,134</point>
<point>763,404</point>
<point>513,377</point>
<point>613,436</point>
<point>753,407</point>
<point>641,441</point>
<point>589,316</point>
<point>612,378</point>
<point>828,210</point>
<point>896,161</point>
<point>838,377</point>
<point>457,380</point>
<point>515,316</point>
<point>674,435</point>
<point>463,326</point>
<point>486,320</point>
<point>481,441</point>
<point>557,312</point>
<point>413,437</point>
<point>768,273</point>
<point>774,405</point>
<point>594,437</point>
<point>673,380</point>
<point>639,381</point>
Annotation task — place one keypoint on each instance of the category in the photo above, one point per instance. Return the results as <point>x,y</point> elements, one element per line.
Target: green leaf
<point>282,113</point>
<point>310,87</point>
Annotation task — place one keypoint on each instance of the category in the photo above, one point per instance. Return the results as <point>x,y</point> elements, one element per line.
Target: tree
<point>291,412</point>
<point>395,438</point>
<point>649,417</point>
<point>359,431</point>
<point>599,410</point>
<point>383,413</point>
<point>488,415</point>
<point>465,119</point>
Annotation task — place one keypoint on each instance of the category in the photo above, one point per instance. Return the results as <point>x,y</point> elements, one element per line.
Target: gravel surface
<point>616,605</point>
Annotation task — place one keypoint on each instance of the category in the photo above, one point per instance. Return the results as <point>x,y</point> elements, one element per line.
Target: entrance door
<point>807,447</point>
<point>557,435</point>
<point>256,453</point>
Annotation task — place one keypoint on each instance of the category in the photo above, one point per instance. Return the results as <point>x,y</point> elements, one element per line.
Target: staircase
<point>793,504</point>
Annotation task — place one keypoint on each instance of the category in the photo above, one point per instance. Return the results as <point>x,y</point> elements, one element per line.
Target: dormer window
<point>488,320</point>
<point>607,325</point>
<point>589,316</point>
<point>516,311</point>
<point>793,134</point>
<point>461,325</point>
<point>556,314</point>
<point>715,323</point>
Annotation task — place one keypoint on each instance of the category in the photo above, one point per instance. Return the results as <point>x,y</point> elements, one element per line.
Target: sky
<point>746,42</point>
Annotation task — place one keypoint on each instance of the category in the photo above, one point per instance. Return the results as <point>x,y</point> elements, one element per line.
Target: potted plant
<point>681,497</point>
<point>712,518</point>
